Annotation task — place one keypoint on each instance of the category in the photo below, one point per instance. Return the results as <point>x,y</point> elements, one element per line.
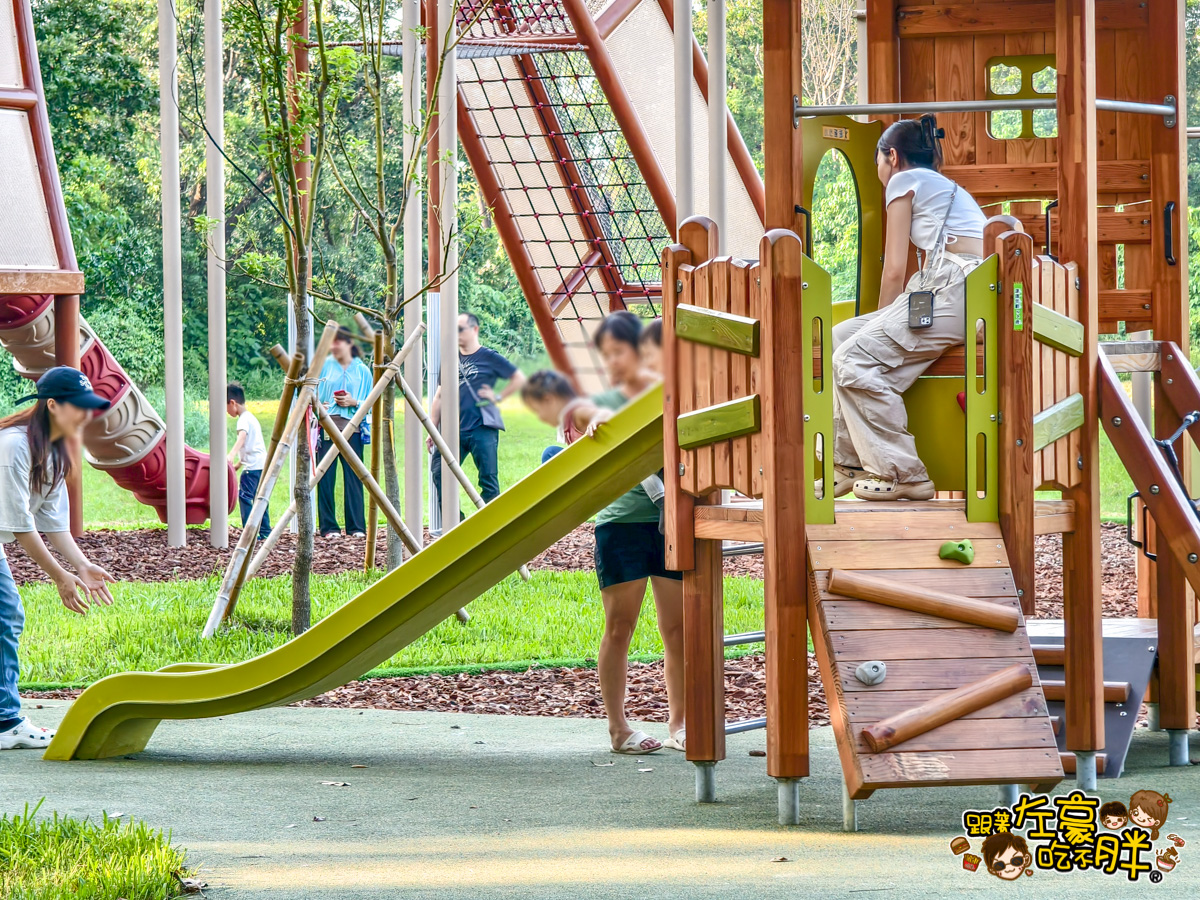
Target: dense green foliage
<point>59,858</point>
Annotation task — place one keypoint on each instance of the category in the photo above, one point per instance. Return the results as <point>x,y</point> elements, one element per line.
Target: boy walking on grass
<point>250,453</point>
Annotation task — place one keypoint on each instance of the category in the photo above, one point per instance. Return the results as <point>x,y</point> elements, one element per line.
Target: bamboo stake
<point>391,370</point>
<point>227,597</point>
<point>414,403</point>
<point>376,437</point>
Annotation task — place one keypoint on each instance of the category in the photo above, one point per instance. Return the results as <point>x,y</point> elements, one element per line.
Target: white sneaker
<point>25,736</point>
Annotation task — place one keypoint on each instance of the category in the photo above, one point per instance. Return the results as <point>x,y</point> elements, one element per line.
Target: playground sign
<point>1068,833</point>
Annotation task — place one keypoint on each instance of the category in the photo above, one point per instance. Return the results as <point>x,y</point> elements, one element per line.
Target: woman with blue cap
<point>34,464</point>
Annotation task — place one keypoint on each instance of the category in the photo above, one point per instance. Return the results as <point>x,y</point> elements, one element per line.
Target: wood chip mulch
<point>571,692</point>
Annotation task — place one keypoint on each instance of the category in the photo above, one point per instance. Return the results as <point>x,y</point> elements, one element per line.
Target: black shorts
<point>630,551</point>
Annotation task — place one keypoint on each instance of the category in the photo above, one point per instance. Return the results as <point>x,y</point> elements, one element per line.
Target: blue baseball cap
<point>67,385</point>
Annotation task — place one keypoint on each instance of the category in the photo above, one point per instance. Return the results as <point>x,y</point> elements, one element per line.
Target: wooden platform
<point>1011,741</point>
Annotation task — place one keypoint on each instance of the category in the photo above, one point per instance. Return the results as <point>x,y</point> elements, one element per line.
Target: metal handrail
<point>1168,109</point>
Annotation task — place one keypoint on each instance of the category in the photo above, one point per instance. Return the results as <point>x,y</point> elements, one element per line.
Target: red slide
<point>129,440</point>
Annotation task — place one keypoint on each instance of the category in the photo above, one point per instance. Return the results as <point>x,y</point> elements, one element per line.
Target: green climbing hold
<point>962,551</point>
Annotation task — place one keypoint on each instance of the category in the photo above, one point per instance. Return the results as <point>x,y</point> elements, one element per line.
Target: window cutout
<point>981,365</point>
<point>981,464</point>
<point>1120,267</point>
<point>1006,125</point>
<point>818,455</point>
<point>1045,81</point>
<point>837,224</point>
<point>818,344</point>
<point>1045,123</point>
<point>1004,79</point>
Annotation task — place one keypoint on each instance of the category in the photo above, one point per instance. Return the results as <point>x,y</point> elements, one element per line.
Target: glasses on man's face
<point>462,328</point>
<point>1017,861</point>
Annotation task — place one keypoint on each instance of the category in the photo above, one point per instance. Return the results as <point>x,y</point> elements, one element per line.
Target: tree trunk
<point>302,566</point>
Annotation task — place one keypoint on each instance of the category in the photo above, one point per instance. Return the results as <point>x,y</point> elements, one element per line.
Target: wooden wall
<point>943,52</point>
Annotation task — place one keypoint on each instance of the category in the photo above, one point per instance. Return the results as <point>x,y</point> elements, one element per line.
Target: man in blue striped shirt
<point>345,383</point>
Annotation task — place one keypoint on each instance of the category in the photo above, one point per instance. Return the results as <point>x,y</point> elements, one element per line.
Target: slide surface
<point>118,714</point>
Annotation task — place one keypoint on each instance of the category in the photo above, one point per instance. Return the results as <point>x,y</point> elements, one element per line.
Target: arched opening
<point>837,225</point>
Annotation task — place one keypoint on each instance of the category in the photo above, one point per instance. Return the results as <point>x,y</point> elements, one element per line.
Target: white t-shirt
<point>931,192</point>
<point>22,510</point>
<point>254,451</point>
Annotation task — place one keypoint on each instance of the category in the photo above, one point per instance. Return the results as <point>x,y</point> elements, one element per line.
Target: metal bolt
<point>1170,357</point>
<point>1116,420</point>
<point>1020,592</point>
<point>682,470</point>
<point>991,287</point>
<point>1078,284</point>
<point>1123,713</point>
<point>1020,442</point>
<point>1079,463</point>
<point>679,287</point>
<point>1154,488</point>
<point>1145,221</point>
<point>1192,557</point>
<point>1145,306</point>
<point>807,417</point>
<point>804,285</point>
<point>1170,381</point>
<point>1017,251</point>
<point>1144,175</point>
<point>992,417</point>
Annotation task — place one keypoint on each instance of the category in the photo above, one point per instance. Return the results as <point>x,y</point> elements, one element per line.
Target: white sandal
<point>875,488</point>
<point>844,478</point>
<point>677,741</point>
<point>632,745</point>
<point>25,736</point>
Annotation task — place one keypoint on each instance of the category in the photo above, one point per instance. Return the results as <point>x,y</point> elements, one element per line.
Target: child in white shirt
<point>250,453</point>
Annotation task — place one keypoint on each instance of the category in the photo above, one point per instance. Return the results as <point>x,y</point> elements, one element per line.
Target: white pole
<point>448,145</point>
<point>718,145</point>
<point>214,102</point>
<point>433,371</point>
<point>685,203</point>
<point>168,96</point>
<point>410,114</point>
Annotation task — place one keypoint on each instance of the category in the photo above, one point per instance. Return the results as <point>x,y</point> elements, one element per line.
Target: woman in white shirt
<point>877,357</point>
<point>34,466</point>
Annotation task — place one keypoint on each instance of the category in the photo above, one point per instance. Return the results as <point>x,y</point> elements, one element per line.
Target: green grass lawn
<point>59,858</point>
<point>556,617</point>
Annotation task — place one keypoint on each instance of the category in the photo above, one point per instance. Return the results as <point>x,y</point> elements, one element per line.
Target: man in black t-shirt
<point>479,427</point>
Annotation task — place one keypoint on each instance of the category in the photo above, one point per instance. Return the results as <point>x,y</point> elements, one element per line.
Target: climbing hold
<point>871,672</point>
<point>961,551</point>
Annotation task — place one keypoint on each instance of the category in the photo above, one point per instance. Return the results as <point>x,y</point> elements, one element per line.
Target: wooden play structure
<point>1081,166</point>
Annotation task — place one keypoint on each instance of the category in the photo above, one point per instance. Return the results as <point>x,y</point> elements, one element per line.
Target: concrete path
<point>460,807</point>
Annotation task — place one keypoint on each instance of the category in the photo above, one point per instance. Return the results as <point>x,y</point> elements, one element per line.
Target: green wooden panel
<point>1060,419</point>
<point>939,427</point>
<point>722,330</point>
<point>817,303</point>
<point>983,409</point>
<point>721,422</point>
<point>1059,331</point>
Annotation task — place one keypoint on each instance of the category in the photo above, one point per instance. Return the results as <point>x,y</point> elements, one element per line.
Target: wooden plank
<point>954,71</point>
<point>863,615</point>
<point>1068,762</point>
<point>924,674</point>
<point>943,526</point>
<point>1125,306</point>
<point>756,384</point>
<point>1133,356</point>
<point>1036,150</point>
<point>1114,691</point>
<point>24,281</point>
<point>883,62</point>
<point>944,604</point>
<point>1003,180</point>
<point>989,152</point>
<point>702,381</point>
<point>1002,18</point>
<point>724,330</point>
<point>968,581</point>
<point>1058,421</point>
<point>1049,656</point>
<point>894,554</point>
<point>686,380</point>
<point>720,422</point>
<point>1054,329</point>
<point>946,643</point>
<point>785,555</point>
<point>782,144</point>
<point>1015,456</point>
<point>884,770</point>
<point>987,734</point>
<point>677,519</point>
<point>719,373</point>
<point>704,654</point>
<point>739,378</point>
<point>1063,463</point>
<point>1046,353</point>
<point>1115,227</point>
<point>866,707</point>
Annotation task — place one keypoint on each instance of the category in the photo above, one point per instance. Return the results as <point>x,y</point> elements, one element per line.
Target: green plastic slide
<point>118,714</point>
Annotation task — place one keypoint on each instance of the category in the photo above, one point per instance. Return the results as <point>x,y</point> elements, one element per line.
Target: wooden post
<point>376,436</point>
<point>704,654</point>
<point>883,65</point>
<point>1015,456</point>
<point>1075,49</point>
<point>1169,306</point>
<point>782,157</point>
<point>785,550</point>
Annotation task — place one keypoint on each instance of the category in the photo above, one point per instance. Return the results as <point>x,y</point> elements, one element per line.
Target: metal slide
<point>118,714</point>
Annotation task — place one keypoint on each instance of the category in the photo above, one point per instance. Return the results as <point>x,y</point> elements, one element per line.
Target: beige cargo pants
<point>877,357</point>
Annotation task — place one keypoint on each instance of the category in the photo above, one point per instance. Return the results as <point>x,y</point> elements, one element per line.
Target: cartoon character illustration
<point>1006,855</point>
<point>1114,815</point>
<point>1148,809</point>
<point>1167,859</point>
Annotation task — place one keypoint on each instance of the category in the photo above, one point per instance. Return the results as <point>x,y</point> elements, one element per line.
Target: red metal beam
<point>559,297</point>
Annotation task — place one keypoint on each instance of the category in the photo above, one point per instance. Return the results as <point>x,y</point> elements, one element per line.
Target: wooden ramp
<point>931,659</point>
